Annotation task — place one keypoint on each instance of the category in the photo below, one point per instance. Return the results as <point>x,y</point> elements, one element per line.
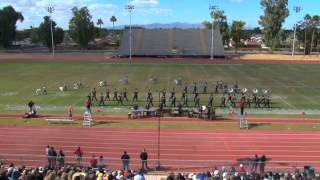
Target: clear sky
<point>154,11</point>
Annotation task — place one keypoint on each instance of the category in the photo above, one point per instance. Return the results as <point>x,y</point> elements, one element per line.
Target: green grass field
<point>293,87</point>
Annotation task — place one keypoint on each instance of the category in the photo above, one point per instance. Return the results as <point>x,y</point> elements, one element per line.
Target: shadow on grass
<point>256,125</point>
<point>104,123</point>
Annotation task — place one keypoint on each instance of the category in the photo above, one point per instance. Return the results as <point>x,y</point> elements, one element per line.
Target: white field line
<point>153,149</point>
<point>217,146</point>
<point>153,131</point>
<point>165,137</point>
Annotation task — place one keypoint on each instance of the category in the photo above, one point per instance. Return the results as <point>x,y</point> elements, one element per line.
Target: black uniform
<point>173,101</point>
<point>195,89</point>
<point>223,101</point>
<point>163,101</point>
<point>172,93</point>
<point>210,103</point>
<point>124,93</point>
<point>185,101</point>
<point>135,95</point>
<point>197,102</point>
<point>115,95</point>
<point>94,94</point>
<point>205,86</point>
<point>107,95</point>
<point>120,100</point>
<point>101,102</point>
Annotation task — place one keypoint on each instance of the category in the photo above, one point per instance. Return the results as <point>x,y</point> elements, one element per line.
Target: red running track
<point>180,149</point>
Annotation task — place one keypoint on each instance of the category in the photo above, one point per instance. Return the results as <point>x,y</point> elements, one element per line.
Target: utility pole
<point>130,8</point>
<point>296,9</point>
<point>212,9</point>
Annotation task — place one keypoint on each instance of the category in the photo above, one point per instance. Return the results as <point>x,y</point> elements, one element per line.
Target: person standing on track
<point>125,160</point>
<point>144,159</point>
<point>78,155</point>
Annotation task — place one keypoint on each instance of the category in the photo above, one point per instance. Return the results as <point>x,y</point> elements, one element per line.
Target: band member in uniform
<point>101,102</point>
<point>195,89</point>
<point>233,101</point>
<point>150,101</point>
<point>94,94</point>
<point>197,102</point>
<point>149,95</point>
<point>185,101</point>
<point>120,100</point>
<point>223,101</point>
<point>205,86</point>
<point>210,102</point>
<point>173,92</point>
<point>216,87</point>
<point>115,95</point>
<point>163,101</point>
<point>196,95</point>
<point>173,101</point>
<point>164,93</point>
<point>135,95</point>
<point>183,95</point>
<point>124,93</point>
<point>185,89</point>
<point>267,103</point>
<point>248,102</point>
<point>107,95</point>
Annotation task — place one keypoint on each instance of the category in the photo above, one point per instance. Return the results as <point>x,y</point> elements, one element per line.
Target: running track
<point>180,149</point>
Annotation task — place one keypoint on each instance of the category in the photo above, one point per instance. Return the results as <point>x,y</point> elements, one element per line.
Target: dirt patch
<point>104,58</point>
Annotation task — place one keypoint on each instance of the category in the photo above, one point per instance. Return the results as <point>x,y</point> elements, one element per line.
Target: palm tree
<point>113,19</point>
<point>315,23</point>
<point>99,23</point>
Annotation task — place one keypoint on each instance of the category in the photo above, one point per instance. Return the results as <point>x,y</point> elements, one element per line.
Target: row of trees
<point>275,13</point>
<point>81,28</point>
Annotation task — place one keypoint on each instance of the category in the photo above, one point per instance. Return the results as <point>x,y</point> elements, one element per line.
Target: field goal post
<point>243,122</point>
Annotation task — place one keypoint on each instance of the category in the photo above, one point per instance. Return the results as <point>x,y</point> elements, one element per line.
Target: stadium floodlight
<point>212,9</point>
<point>130,8</point>
<point>296,9</point>
<point>50,10</point>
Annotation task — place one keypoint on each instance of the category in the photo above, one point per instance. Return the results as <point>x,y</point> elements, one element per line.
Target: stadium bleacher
<point>171,42</point>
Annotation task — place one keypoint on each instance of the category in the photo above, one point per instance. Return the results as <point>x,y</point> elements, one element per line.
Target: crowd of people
<point>66,173</point>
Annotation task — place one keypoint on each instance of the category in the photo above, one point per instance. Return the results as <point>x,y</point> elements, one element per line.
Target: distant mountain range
<point>165,26</point>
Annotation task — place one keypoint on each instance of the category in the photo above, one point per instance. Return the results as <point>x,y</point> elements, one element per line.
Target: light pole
<point>212,8</point>
<point>130,8</point>
<point>158,141</point>
<point>50,9</point>
<point>296,9</point>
